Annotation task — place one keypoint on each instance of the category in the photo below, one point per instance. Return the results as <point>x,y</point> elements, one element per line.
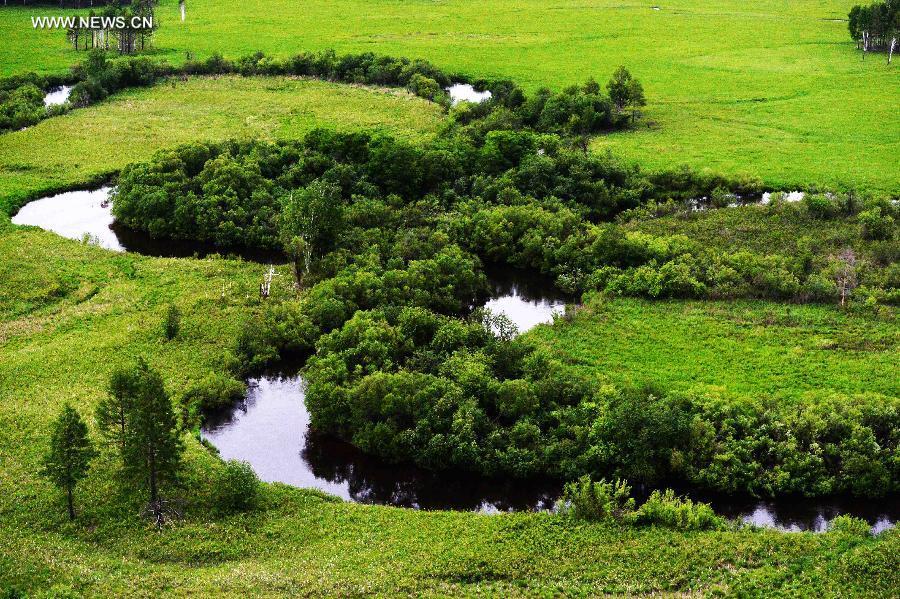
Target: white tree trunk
<point>891,51</point>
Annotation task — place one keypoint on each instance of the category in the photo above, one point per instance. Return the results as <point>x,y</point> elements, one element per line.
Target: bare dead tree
<point>266,286</point>
<point>845,274</point>
<point>163,511</point>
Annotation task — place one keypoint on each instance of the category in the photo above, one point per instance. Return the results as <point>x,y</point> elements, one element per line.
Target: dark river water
<point>269,428</point>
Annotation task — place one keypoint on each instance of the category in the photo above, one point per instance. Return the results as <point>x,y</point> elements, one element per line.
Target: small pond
<point>463,92</point>
<point>86,215</point>
<point>527,300</point>
<point>57,96</point>
<point>269,429</point>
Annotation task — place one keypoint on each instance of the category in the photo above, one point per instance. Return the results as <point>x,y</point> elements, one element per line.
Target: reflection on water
<point>87,214</point>
<point>463,92</point>
<point>270,430</point>
<point>74,214</point>
<point>527,300</point>
<point>57,95</point>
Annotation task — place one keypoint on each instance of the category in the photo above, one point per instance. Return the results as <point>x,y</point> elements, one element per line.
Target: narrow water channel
<point>269,429</point>
<point>86,215</point>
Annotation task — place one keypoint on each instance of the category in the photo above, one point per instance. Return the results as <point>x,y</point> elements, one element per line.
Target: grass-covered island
<point>338,214</point>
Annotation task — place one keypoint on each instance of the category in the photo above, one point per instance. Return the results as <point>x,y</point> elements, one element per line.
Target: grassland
<point>771,89</point>
<point>71,313</point>
<point>733,349</point>
<point>89,143</point>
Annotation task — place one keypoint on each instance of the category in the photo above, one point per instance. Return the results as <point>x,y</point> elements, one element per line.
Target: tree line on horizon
<point>875,27</point>
<point>127,40</point>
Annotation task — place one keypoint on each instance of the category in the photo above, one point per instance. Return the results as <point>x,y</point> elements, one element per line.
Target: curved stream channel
<point>269,428</point>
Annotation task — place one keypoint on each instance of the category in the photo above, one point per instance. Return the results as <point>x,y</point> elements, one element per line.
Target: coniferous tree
<point>112,413</point>
<point>152,449</point>
<point>70,454</point>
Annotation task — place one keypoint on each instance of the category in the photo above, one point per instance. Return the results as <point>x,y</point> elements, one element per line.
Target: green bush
<point>236,488</point>
<point>585,499</point>
<point>820,205</point>
<point>849,525</point>
<point>668,510</point>
<point>875,225</point>
<point>214,391</point>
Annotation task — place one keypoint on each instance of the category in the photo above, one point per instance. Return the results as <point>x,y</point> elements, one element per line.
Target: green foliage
<point>670,511</point>
<point>152,447</point>
<point>172,322</point>
<point>590,500</point>
<point>625,91</point>
<point>876,225</point>
<point>849,525</point>
<point>641,434</point>
<point>70,453</point>
<point>20,107</point>
<point>237,488</point>
<point>214,391</point>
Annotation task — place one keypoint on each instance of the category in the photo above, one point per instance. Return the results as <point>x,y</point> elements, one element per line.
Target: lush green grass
<point>71,313</point>
<point>735,349</point>
<point>768,89</point>
<point>130,126</point>
<point>760,229</point>
<point>772,89</point>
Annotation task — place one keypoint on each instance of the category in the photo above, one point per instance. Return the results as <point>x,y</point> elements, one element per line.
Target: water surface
<point>74,214</point>
<point>270,430</point>
<point>57,95</point>
<point>527,300</point>
<point>463,92</point>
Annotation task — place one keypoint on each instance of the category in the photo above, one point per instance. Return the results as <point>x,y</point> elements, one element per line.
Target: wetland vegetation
<point>693,336</point>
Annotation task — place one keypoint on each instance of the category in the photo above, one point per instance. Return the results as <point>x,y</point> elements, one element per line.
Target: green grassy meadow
<point>85,144</point>
<point>770,89</point>
<point>734,349</point>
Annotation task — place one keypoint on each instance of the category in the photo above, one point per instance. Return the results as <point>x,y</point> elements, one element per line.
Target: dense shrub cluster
<point>388,240</point>
<point>552,237</point>
<point>21,102</point>
<point>416,386</point>
<point>98,77</point>
<point>232,194</point>
<point>576,110</point>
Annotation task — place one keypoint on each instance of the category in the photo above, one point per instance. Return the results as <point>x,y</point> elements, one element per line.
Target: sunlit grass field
<point>738,349</point>
<point>130,126</point>
<point>771,89</point>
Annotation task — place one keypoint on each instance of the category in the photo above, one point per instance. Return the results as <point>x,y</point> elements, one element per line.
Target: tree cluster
<point>875,26</point>
<point>125,40</point>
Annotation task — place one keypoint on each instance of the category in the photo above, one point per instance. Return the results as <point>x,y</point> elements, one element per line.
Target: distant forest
<point>876,26</point>
<point>73,3</point>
